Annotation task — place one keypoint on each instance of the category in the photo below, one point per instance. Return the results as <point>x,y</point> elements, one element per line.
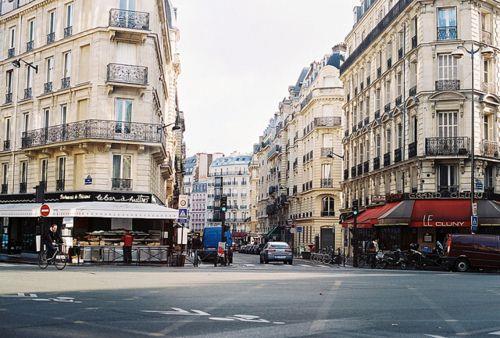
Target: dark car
<point>464,252</point>
<point>276,252</point>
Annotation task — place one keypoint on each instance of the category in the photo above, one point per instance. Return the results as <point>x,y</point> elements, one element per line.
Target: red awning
<point>369,217</point>
<point>441,213</point>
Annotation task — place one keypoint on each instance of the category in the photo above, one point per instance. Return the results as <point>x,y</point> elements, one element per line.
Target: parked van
<point>464,252</point>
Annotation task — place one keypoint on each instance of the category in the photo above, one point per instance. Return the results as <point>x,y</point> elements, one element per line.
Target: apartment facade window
<point>5,178</point>
<point>400,135</point>
<point>488,77</point>
<point>123,115</point>
<point>44,169</point>
<point>388,92</point>
<point>327,206</point>
<point>447,67</point>
<point>488,124</point>
<point>68,29</point>
<point>448,175</point>
<point>61,173</point>
<point>31,35</point>
<point>28,91</point>
<point>377,99</point>
<point>23,177</point>
<point>399,81</point>
<point>6,142</point>
<point>447,124</point>
<point>447,23</point>
<point>377,145</point>
<point>26,122</point>
<point>12,42</point>
<point>122,171</point>
<point>388,140</point>
<point>66,70</point>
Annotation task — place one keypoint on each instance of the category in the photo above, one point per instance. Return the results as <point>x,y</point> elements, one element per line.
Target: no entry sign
<point>44,210</point>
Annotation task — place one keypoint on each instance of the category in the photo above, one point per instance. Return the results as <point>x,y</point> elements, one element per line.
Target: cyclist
<point>52,240</point>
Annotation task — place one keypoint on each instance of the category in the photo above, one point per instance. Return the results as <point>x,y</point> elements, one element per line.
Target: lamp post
<point>487,52</point>
<point>17,63</point>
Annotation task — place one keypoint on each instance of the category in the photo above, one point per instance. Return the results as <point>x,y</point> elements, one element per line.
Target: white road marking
<point>222,319</point>
<point>179,312</point>
<point>249,265</point>
<point>279,323</point>
<point>201,313</point>
<point>307,266</point>
<point>496,333</point>
<point>433,336</point>
<point>249,318</point>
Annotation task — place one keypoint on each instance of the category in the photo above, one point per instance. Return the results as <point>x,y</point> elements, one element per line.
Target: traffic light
<point>223,203</point>
<point>355,209</point>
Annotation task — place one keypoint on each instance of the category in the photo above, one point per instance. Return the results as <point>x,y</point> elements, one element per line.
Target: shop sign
<point>378,199</point>
<point>428,221</point>
<point>80,196</point>
<point>437,195</point>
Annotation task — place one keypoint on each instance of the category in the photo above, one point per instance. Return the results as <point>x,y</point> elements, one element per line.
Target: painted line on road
<point>434,336</point>
<point>249,265</point>
<point>497,333</point>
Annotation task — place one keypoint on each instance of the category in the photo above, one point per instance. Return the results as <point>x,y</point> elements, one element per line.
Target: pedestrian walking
<point>127,239</point>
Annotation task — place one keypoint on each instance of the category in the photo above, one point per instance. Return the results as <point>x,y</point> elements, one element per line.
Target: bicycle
<point>59,259</point>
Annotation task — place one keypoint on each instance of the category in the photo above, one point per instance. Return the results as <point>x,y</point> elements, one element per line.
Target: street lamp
<point>17,64</point>
<point>487,52</point>
<point>174,128</point>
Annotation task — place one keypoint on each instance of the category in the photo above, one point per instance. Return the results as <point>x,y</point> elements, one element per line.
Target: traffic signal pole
<point>354,234</point>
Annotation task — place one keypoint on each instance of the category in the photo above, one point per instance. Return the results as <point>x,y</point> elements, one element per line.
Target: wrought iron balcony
<point>446,190</point>
<point>366,167</point>
<point>43,185</point>
<point>360,124</point>
<point>5,189</point>
<point>121,184</point>
<point>326,183</point>
<point>331,121</point>
<point>377,114</point>
<point>366,121</point>
<point>6,145</point>
<point>11,52</point>
<point>65,82</point>
<point>29,46</point>
<point>128,19</point>
<point>353,172</point>
<point>28,93</point>
<point>489,148</point>
<point>346,174</point>
<point>399,100</point>
<point>51,37</point>
<point>387,108</point>
<point>376,163</point>
<point>447,146</point>
<point>60,185</point>
<point>389,63</point>
<point>47,87</point>
<point>360,169</point>
<point>68,31</point>
<point>387,159</point>
<point>397,155</point>
<point>94,129</point>
<point>400,53</point>
<point>412,149</point>
<point>413,91</point>
<point>273,152</point>
<point>8,98</point>
<point>329,213</point>
<point>127,74</point>
<point>447,85</point>
<point>23,187</point>
<point>447,33</point>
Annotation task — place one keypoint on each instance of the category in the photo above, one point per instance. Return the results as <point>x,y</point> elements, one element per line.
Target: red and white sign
<point>44,210</point>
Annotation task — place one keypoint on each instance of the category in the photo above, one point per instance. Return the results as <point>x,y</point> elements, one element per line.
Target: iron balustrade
<point>377,114</point>
<point>447,85</point>
<point>65,82</point>
<point>326,183</point>
<point>94,129</point>
<point>387,108</point>
<point>29,46</point>
<point>129,74</point>
<point>47,87</point>
<point>376,163</point>
<point>346,174</point>
<point>360,169</point>
<point>121,183</point>
<point>60,185</point>
<point>366,167</point>
<point>28,93</point>
<point>8,98</point>
<point>51,37</point>
<point>397,155</point>
<point>390,17</point>
<point>5,188</point>
<point>276,150</point>
<point>11,52</point>
<point>412,149</point>
<point>446,190</point>
<point>489,148</point>
<point>6,145</point>
<point>23,187</point>
<point>447,33</point>
<point>68,31</point>
<point>399,100</point>
<point>413,91</point>
<point>445,146</point>
<point>387,159</point>
<point>367,121</point>
<point>122,18</point>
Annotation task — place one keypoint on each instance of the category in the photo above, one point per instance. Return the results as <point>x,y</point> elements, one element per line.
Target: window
<point>367,149</point>
<point>127,5</point>
<point>123,115</point>
<point>7,129</point>
<point>23,175</point>
<point>413,129</point>
<point>67,65</point>
<point>64,110</point>
<point>61,168</point>
<point>489,177</point>
<point>388,140</point>
<point>8,81</point>
<point>448,178</point>
<point>377,99</point>
<point>399,80</point>
<point>69,15</point>
<point>388,92</point>
<point>26,122</point>
<point>44,164</point>
<point>388,53</point>
<point>326,171</point>
<point>122,166</point>
<point>52,22</point>
<point>29,78</point>
<point>447,23</point>
<point>49,65</point>
<point>487,73</point>
<point>447,124</point>
<point>377,145</point>
<point>488,127</point>
<point>46,120</point>
<point>447,67</point>
<point>328,206</point>
<point>12,39</point>
<point>400,135</point>
<point>31,30</point>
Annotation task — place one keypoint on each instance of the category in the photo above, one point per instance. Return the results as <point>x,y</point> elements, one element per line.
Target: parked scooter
<point>394,259</point>
<point>420,260</point>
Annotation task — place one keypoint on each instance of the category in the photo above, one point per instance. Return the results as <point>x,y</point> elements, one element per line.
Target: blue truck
<point>211,238</point>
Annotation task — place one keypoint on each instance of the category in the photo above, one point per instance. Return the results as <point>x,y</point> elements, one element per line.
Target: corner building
<point>407,140</point>
<point>93,119</point>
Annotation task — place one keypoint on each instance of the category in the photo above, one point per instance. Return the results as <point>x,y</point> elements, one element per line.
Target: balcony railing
<point>445,146</point>
<point>446,190</point>
<point>68,31</point>
<point>447,85</point>
<point>6,145</point>
<point>28,93</point>
<point>128,74</point>
<point>8,98</point>
<point>387,159</point>
<point>486,37</point>
<point>121,184</point>
<point>366,121</point>
<point>47,87</point>
<point>346,174</point>
<point>360,169</point>
<point>377,114</point>
<point>11,52</point>
<point>5,189</point>
<point>65,82</point>
<point>387,108</point>
<point>397,155</point>
<point>376,163</point>
<point>366,167</point>
<point>29,46</point>
<point>490,148</point>
<point>399,100</point>
<point>353,172</point>
<point>60,185</point>
<point>395,11</point>
<point>447,33</point>
<point>94,129</point>
<point>412,149</point>
<point>128,19</point>
<point>331,121</point>
<point>23,187</point>
<point>51,37</point>
<point>326,183</point>
<point>413,91</point>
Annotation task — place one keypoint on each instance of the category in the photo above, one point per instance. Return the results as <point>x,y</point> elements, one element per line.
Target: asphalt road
<point>246,300</point>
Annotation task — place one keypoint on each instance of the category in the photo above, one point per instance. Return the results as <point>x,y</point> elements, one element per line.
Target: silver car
<point>276,252</point>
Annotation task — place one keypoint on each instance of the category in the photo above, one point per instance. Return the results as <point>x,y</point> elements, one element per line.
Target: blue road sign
<point>182,220</point>
<point>88,180</point>
<point>299,229</point>
<point>183,213</point>
<point>474,223</point>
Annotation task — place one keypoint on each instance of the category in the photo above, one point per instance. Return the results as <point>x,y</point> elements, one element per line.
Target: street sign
<point>88,180</point>
<point>183,214</point>
<point>479,185</point>
<point>182,220</point>
<point>44,210</point>
<point>183,201</point>
<point>299,229</point>
<point>474,208</point>
<point>474,223</point>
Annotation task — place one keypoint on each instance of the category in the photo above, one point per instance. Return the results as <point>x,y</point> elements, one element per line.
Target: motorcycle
<point>391,259</point>
<point>420,260</point>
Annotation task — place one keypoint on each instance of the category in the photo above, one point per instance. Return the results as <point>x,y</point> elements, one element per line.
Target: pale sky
<point>238,58</point>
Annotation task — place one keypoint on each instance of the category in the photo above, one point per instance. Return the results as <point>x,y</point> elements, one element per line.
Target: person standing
<point>127,239</point>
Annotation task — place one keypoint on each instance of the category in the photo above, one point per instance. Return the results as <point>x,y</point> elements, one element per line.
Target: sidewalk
<point>19,258</point>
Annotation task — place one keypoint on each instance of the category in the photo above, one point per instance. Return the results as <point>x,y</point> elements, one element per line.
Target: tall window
<point>64,111</point>
<point>61,168</point>
<point>388,140</point>
<point>52,22</point>
<point>399,80</point>
<point>447,124</point>
<point>127,5</point>
<point>12,37</point>
<point>388,92</point>
<point>67,65</point>
<point>488,127</point>
<point>31,30</point>
<point>448,178</point>
<point>26,122</point>
<point>49,65</point>
<point>326,171</point>
<point>447,67</point>
<point>122,166</point>
<point>367,149</point>
<point>29,78</point>
<point>5,176</point>
<point>377,145</point>
<point>44,165</point>
<point>400,135</point>
<point>123,115</point>
<point>46,118</point>
<point>69,15</point>
<point>7,129</point>
<point>328,206</point>
<point>447,23</point>
<point>487,73</point>
<point>377,99</point>
<point>23,174</point>
<point>413,129</point>
<point>8,81</point>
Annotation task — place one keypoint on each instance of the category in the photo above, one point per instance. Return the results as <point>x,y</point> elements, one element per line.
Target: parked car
<point>464,252</point>
<point>276,252</point>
